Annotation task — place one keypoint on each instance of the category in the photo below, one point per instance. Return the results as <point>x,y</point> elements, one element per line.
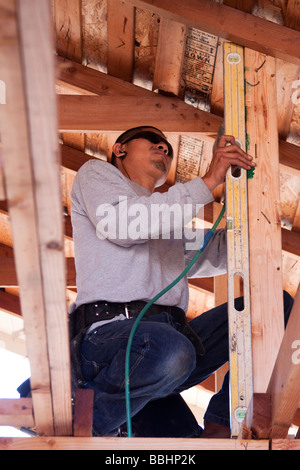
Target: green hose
<point>207,237</point>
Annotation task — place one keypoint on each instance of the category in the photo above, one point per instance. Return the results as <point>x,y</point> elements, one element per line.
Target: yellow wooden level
<point>240,344</point>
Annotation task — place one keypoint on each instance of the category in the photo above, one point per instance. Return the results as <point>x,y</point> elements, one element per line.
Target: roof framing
<point>231,24</point>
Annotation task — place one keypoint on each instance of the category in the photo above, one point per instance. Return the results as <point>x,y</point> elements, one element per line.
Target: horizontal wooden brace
<point>79,113</point>
<point>16,412</point>
<point>125,443</point>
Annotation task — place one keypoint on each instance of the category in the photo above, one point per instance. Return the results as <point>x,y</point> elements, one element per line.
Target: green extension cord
<point>207,237</point>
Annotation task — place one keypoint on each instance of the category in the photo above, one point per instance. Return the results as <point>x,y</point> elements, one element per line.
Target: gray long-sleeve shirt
<point>130,244</point>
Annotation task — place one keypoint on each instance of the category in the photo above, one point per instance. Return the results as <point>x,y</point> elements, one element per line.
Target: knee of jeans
<point>178,360</point>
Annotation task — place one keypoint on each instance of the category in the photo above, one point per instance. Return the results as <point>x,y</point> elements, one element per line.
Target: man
<point>125,254</point>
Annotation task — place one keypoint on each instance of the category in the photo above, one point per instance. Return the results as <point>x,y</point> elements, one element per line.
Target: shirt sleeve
<point>213,259</point>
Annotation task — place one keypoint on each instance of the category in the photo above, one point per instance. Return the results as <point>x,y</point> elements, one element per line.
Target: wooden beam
<point>231,24</point>
<point>285,444</point>
<point>125,444</point>
<point>266,299</point>
<point>284,386</point>
<point>118,113</point>
<point>32,176</point>
<point>10,303</point>
<point>87,80</point>
<point>72,159</point>
<point>16,412</point>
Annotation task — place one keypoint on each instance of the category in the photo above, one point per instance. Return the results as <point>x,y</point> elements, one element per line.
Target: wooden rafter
<point>231,24</point>
<point>97,113</point>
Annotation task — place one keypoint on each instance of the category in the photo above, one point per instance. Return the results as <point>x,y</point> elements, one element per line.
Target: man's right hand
<point>227,153</point>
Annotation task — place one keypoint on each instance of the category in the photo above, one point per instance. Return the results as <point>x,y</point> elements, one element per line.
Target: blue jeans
<point>162,361</point>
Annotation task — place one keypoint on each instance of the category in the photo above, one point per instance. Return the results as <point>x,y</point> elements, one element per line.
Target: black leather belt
<point>102,310</point>
<point>94,312</point>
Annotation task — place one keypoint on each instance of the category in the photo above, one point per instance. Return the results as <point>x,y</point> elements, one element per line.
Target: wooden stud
<point>284,386</point>
<point>32,177</point>
<point>20,199</point>
<point>264,217</point>
<point>42,120</point>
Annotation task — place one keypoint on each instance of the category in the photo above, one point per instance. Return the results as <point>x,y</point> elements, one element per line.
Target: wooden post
<point>32,177</point>
<point>264,216</point>
<point>284,386</point>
